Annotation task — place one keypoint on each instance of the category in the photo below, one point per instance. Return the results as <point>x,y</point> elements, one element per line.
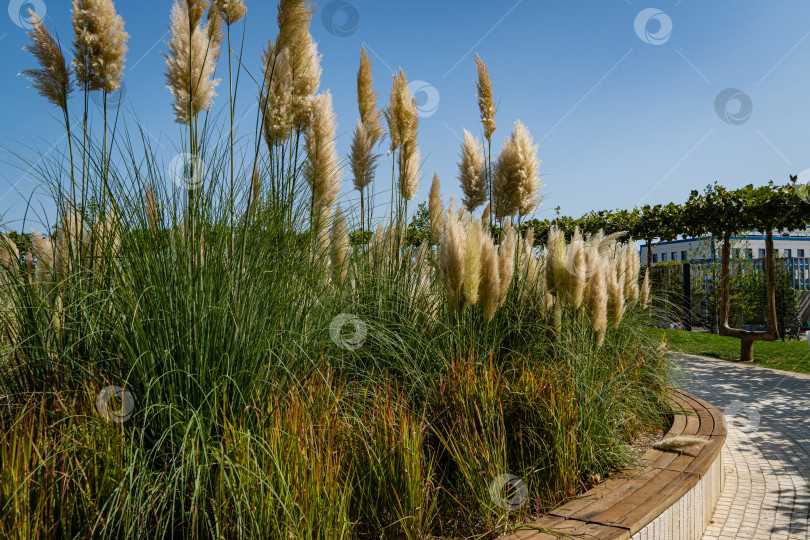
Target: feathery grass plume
<point>191,64</point>
<point>276,98</point>
<point>435,210</point>
<point>485,216</point>
<point>451,260</point>
<point>489,287</point>
<point>615,287</point>
<point>363,160</point>
<point>576,271</point>
<point>322,169</point>
<point>529,266</point>
<point>339,247</point>
<point>231,11</point>
<point>9,253</point>
<point>555,262</point>
<point>52,80</point>
<point>679,443</point>
<point>43,251</point>
<point>471,172</point>
<point>402,112</point>
<point>367,99</point>
<point>506,260</point>
<point>100,45</point>
<point>151,208</point>
<point>409,169</point>
<point>294,18</point>
<point>473,237</point>
<point>644,298</point>
<point>504,192</point>
<point>632,268</point>
<point>196,10</point>
<point>596,302</point>
<point>518,168</point>
<point>486,103</point>
<point>608,243</point>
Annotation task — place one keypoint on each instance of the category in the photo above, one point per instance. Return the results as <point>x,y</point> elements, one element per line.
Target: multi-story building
<point>786,244</point>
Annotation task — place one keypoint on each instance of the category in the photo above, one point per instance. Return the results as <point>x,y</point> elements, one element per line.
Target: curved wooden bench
<point>660,501</point>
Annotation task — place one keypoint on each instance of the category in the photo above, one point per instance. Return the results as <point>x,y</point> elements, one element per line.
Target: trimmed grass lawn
<point>788,355</point>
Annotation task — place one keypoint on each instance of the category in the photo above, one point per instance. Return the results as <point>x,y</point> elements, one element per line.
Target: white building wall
<point>699,249</point>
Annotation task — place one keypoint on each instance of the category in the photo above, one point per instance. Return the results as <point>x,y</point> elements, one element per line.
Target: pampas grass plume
<point>436,210</point>
<point>471,172</point>
<point>576,271</point>
<point>644,298</point>
<point>191,64</point>
<point>52,79</point>
<point>363,160</point>
<point>596,303</point>
<point>486,102</point>
<point>451,260</point>
<point>402,113</point>
<point>370,115</point>
<point>490,283</point>
<point>506,260</point>
<point>151,208</point>
<point>679,443</point>
<point>99,45</point>
<point>339,247</point>
<point>473,237</point>
<point>231,11</point>
<point>615,286</point>
<point>277,96</point>
<point>322,169</point>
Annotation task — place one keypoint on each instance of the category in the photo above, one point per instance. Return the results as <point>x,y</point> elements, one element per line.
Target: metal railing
<point>797,267</point>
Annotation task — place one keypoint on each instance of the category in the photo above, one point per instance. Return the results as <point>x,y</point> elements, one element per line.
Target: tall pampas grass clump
<point>401,365</point>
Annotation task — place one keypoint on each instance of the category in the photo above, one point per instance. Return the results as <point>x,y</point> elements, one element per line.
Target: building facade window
<point>655,258</point>
<point>761,253</point>
<point>683,256</point>
<point>674,255</point>
<point>800,253</point>
<point>663,257</point>
<point>749,253</point>
<point>736,254</point>
<point>788,253</point>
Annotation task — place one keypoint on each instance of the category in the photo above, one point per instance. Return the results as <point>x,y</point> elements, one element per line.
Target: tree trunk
<point>770,285</point>
<point>649,253</point>
<point>747,337</point>
<point>747,350</point>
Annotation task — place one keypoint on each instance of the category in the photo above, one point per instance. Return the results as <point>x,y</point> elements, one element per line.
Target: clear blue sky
<point>622,117</point>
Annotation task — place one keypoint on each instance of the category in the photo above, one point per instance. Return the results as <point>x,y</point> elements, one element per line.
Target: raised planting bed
<point>673,496</point>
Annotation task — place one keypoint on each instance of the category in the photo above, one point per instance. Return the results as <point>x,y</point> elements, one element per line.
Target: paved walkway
<point>767,460</point>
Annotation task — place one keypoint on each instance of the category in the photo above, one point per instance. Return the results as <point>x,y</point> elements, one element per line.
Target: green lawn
<point>788,355</point>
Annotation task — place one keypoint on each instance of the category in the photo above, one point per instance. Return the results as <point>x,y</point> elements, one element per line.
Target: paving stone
<point>767,460</point>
